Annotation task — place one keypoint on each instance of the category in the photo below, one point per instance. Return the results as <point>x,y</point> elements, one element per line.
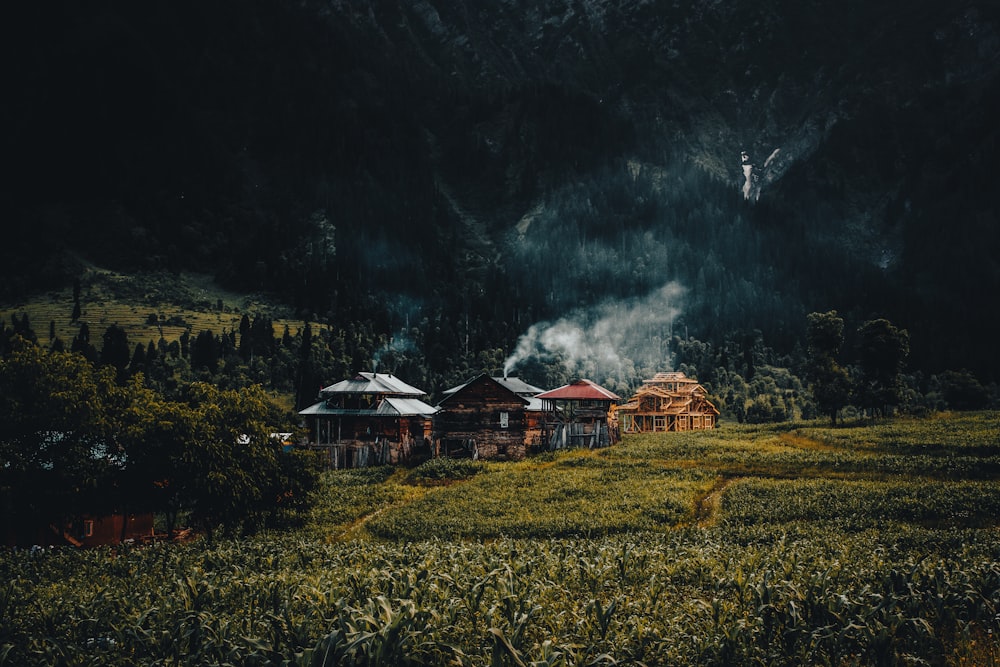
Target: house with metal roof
<point>580,414</point>
<point>668,402</point>
<point>513,384</point>
<point>370,419</point>
<point>483,418</point>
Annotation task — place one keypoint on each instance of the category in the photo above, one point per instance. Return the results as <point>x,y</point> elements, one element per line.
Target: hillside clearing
<point>146,306</point>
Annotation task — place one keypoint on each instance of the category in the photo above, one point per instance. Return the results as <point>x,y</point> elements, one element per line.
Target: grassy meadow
<point>146,306</point>
<point>786,544</point>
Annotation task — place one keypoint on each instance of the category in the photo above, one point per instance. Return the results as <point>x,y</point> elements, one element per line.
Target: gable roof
<point>484,378</point>
<point>384,384</point>
<point>670,376</point>
<point>580,390</point>
<point>405,407</point>
<point>516,385</point>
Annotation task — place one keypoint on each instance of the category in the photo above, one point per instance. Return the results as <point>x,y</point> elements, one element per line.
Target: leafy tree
<point>159,440</point>
<point>961,390</point>
<point>233,459</point>
<point>831,385</point>
<point>882,352</point>
<point>766,409</point>
<point>58,451</point>
<point>73,440</point>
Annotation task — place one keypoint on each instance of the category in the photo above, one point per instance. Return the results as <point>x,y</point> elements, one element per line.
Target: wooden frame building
<point>668,402</point>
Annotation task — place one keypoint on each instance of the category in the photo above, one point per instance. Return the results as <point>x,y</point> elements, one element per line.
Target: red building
<point>86,531</point>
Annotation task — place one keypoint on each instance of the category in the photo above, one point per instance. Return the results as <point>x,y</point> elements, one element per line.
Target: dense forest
<point>552,188</point>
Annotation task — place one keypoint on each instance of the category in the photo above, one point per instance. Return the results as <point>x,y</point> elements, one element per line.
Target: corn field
<point>574,558</point>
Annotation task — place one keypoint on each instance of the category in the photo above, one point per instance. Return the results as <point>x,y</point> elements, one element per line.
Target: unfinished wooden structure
<point>668,402</point>
<point>370,419</point>
<point>485,418</point>
<point>580,414</point>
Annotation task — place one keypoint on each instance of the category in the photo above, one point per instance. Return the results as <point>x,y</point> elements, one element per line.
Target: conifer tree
<point>115,349</point>
<point>138,361</point>
<point>81,344</point>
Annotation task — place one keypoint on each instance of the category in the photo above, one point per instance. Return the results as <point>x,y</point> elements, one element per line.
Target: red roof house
<point>580,415</point>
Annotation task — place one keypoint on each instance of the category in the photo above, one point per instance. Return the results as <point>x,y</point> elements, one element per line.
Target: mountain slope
<point>373,160</point>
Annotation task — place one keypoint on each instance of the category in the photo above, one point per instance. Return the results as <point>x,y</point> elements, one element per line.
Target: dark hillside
<point>470,171</point>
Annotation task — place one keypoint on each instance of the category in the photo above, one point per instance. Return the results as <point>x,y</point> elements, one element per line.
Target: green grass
<point>146,306</point>
<point>782,545</point>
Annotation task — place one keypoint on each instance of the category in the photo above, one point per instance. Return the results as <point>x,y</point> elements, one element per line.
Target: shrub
<point>444,470</point>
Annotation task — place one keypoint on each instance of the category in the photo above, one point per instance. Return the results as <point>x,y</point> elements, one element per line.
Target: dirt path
<point>794,439</point>
<point>706,507</point>
<point>355,528</point>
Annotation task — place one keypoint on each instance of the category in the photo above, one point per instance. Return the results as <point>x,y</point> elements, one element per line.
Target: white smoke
<point>603,338</point>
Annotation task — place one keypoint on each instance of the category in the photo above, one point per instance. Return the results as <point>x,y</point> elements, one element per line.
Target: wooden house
<point>668,402</point>
<point>580,414</point>
<point>370,419</point>
<point>487,418</point>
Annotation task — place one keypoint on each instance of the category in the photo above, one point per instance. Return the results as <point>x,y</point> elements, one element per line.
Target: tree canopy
<point>73,441</point>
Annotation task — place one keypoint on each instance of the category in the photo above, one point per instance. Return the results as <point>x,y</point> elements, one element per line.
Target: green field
<point>789,544</point>
<point>146,306</point>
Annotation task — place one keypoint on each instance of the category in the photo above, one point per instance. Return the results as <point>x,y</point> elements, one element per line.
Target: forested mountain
<point>582,177</point>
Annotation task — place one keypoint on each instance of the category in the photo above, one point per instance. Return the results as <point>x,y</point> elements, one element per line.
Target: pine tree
<point>81,344</point>
<point>115,349</point>
<point>205,351</point>
<point>138,362</point>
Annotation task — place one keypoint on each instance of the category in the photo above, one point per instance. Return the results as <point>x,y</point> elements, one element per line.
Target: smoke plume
<point>603,339</point>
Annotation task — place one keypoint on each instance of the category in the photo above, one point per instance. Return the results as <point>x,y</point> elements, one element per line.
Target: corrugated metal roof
<point>322,409</point>
<point>387,407</point>
<point>519,386</point>
<point>580,390</point>
<point>406,407</point>
<point>373,383</point>
<point>516,385</point>
<point>535,405</point>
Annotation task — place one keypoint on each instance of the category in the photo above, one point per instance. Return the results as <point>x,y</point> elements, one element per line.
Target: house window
<point>504,420</point>
<point>88,528</point>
